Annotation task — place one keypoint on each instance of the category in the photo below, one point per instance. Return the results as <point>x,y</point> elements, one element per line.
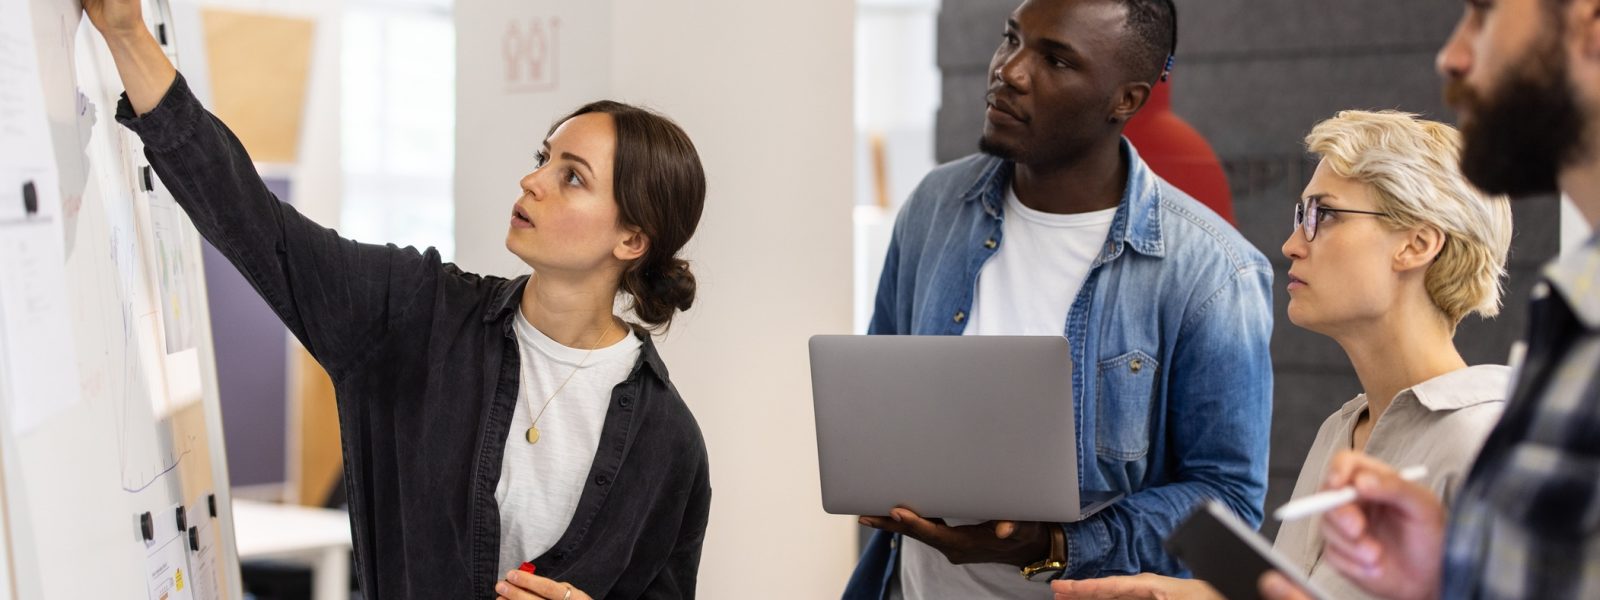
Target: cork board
<point>260,65</point>
<point>315,432</point>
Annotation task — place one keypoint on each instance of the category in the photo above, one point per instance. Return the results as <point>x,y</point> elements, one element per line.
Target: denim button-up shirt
<point>1172,375</point>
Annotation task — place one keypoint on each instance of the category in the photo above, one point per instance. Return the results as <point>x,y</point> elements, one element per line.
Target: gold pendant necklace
<point>533,430</point>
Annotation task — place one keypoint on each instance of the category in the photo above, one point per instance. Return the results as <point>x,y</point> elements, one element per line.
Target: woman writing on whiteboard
<point>486,422</point>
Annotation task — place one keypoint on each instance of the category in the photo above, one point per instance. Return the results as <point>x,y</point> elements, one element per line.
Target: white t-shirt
<point>1029,284</point>
<point>1026,288</point>
<point>540,483</point>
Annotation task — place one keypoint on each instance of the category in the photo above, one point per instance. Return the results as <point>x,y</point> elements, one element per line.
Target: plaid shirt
<point>1527,523</point>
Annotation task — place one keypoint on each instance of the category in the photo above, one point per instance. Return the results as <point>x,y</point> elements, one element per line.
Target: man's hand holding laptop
<point>1006,542</point>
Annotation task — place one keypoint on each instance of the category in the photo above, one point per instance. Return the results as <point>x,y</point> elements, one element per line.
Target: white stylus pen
<point>1322,502</point>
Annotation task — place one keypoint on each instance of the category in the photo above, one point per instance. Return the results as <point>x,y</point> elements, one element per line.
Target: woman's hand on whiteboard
<point>146,72</point>
<point>527,586</point>
<point>115,18</point>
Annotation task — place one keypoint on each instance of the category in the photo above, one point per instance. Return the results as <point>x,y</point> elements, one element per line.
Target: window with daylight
<point>398,123</point>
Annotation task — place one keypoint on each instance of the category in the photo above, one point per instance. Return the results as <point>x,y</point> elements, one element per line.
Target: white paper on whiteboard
<point>41,370</point>
<point>166,562</point>
<point>24,136</point>
<point>175,269</point>
<point>36,357</point>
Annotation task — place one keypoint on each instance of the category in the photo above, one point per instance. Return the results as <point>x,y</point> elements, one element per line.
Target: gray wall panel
<point>960,118</point>
<point>969,31</point>
<point>1261,107</point>
<point>1250,28</point>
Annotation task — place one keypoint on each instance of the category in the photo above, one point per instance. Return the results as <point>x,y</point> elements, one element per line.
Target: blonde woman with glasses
<point>1391,248</point>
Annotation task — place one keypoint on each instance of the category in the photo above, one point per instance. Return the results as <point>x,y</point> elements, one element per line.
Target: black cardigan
<point>426,370</point>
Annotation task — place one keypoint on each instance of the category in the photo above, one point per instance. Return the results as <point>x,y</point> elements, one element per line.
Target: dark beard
<point>987,146</point>
<point>1525,131</point>
<point>1032,154</point>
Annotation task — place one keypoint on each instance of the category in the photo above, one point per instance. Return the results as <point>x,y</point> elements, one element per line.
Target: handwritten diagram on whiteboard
<point>112,429</point>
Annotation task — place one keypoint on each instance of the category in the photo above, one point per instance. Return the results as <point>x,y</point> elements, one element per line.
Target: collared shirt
<point>425,366</point>
<point>1172,377</point>
<point>1527,522</point>
<point>1440,424</point>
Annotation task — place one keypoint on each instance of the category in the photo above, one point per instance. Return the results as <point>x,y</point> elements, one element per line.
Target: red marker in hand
<point>526,567</point>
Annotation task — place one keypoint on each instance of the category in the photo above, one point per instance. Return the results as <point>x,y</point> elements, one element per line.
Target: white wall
<point>501,121</point>
<point>764,88</point>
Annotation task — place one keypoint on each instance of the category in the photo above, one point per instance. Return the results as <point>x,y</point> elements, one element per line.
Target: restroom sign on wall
<point>531,48</point>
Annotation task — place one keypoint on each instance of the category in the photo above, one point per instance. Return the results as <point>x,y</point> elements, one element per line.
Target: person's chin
<point>1299,315</point>
<point>515,245</point>
<point>999,144</point>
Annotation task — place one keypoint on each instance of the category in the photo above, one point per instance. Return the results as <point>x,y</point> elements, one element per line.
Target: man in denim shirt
<point>1167,309</point>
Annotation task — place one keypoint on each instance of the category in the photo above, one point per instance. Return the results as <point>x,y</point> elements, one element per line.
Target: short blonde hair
<point>1414,166</point>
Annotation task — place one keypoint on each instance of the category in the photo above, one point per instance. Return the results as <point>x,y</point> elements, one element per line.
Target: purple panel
<point>252,374</point>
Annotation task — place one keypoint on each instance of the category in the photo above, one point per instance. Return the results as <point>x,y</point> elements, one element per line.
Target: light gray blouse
<point>1440,423</point>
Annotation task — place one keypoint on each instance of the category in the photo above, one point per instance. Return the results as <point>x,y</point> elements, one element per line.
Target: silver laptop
<point>958,427</point>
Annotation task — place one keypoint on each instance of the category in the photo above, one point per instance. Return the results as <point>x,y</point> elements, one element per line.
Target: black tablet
<point>1224,552</point>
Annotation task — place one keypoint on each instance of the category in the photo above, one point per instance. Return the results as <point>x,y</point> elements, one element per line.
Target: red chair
<point>1178,153</point>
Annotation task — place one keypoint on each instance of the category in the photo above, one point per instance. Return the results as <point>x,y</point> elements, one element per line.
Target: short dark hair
<point>1153,25</point>
<point>660,188</point>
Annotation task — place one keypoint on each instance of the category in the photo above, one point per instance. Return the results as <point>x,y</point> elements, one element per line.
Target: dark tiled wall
<point>1253,76</point>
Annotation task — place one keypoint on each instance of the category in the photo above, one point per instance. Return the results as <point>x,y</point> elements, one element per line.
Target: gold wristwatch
<point>1054,564</point>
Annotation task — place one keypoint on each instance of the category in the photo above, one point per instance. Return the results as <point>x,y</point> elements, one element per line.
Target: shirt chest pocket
<point>1125,387</point>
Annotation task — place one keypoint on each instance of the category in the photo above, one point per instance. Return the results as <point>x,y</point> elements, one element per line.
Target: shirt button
<point>961,316</point>
<point>625,402</point>
<point>601,480</point>
<point>1136,365</point>
<point>991,244</point>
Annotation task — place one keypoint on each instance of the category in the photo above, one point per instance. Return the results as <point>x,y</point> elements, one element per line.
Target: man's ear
<point>1130,97</point>
<point>1423,245</point>
<point>1586,26</point>
<point>1582,46</point>
<point>634,246</point>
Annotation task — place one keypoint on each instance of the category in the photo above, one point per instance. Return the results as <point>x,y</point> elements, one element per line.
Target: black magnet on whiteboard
<point>194,539</point>
<point>30,198</point>
<point>161,33</point>
<point>183,519</point>
<point>211,501</point>
<point>147,526</point>
<point>149,183</point>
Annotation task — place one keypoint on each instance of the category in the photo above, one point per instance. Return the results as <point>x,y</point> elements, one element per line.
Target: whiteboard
<point>102,470</point>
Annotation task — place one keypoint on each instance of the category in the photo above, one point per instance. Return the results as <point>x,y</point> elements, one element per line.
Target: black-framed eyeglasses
<point>1312,205</point>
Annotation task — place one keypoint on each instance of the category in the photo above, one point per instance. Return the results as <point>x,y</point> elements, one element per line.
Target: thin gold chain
<point>574,372</point>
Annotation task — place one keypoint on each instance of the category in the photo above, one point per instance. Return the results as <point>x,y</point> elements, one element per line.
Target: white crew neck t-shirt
<point>1026,288</point>
<point>1029,284</point>
<point>540,483</point>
